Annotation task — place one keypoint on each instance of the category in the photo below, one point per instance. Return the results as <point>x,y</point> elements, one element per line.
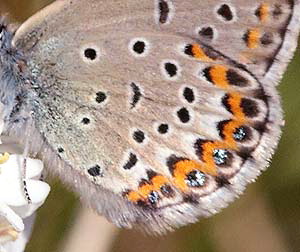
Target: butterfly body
<point>155,120</point>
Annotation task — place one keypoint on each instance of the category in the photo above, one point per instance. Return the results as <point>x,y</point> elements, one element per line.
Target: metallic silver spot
<point>220,156</point>
<point>153,197</point>
<point>195,179</point>
<point>239,134</point>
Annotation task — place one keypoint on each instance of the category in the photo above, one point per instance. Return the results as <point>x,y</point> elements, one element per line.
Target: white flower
<point>14,206</point>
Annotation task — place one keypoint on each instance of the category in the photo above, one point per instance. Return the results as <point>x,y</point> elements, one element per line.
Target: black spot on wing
<point>189,95</point>
<point>183,115</point>
<point>171,69</point>
<point>90,53</point>
<point>95,171</point>
<point>139,47</point>
<point>139,136</point>
<point>250,107</point>
<point>207,75</point>
<point>236,79</point>
<point>100,97</point>
<point>137,94</point>
<point>163,128</point>
<point>131,161</point>
<point>60,150</point>
<point>225,12</point>
<point>188,50</point>
<point>207,32</point>
<point>85,120</point>
<point>164,11</point>
<point>267,39</point>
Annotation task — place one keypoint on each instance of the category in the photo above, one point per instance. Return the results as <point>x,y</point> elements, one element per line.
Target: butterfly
<point>157,112</point>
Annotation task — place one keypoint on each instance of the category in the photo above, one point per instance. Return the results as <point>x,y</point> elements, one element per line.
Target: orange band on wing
<point>252,38</point>
<point>154,185</point>
<point>181,169</point>
<point>228,133</point>
<point>134,196</point>
<point>158,181</point>
<point>263,12</point>
<point>199,53</point>
<point>235,104</point>
<point>218,75</point>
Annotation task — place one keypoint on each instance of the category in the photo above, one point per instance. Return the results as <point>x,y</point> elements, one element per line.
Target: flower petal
<point>38,192</point>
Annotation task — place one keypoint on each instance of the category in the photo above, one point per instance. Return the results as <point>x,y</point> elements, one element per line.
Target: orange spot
<point>199,53</point>
<point>181,169</point>
<point>207,154</point>
<point>184,167</point>
<point>145,190</point>
<point>235,106</point>
<point>158,182</point>
<point>133,196</point>
<point>263,12</point>
<point>218,75</point>
<point>253,37</point>
<point>228,133</point>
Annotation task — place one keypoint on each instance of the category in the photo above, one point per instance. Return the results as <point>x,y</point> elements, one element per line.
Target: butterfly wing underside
<point>158,112</point>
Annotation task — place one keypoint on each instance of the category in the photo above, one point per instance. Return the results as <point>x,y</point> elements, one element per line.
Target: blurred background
<point>265,219</point>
